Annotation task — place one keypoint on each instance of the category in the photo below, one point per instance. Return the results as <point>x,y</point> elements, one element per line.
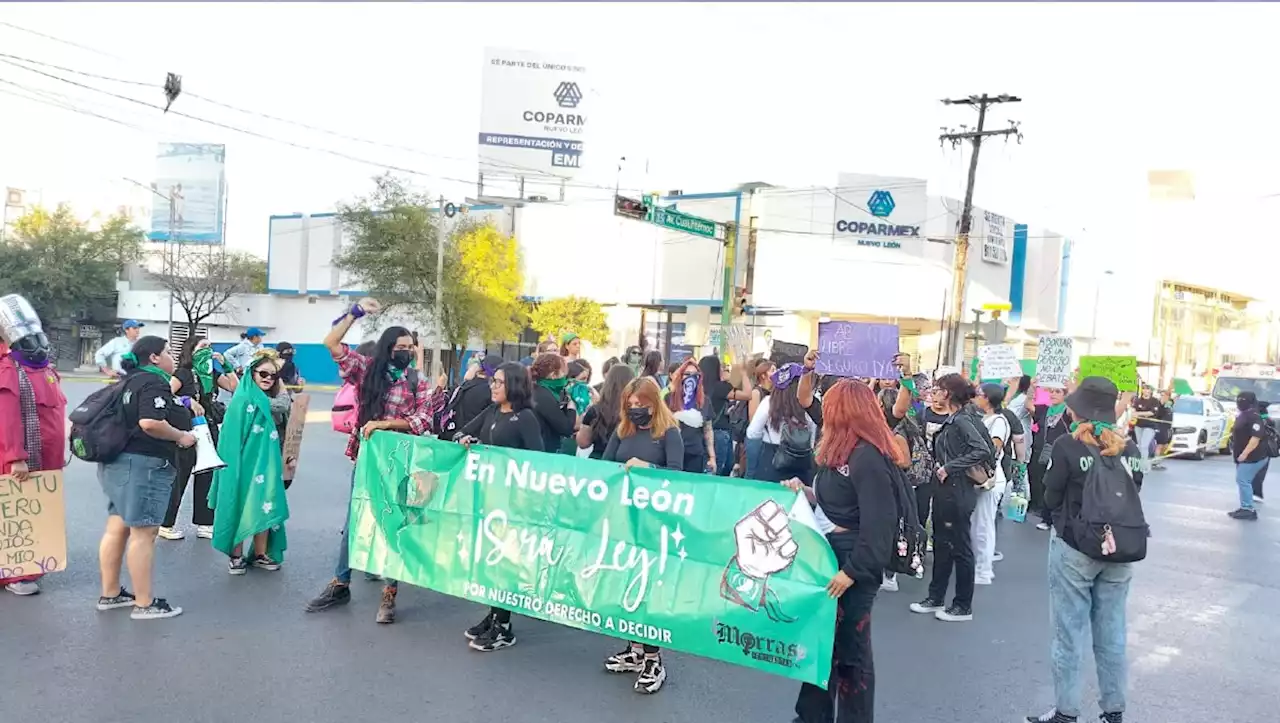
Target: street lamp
<point>1097,300</point>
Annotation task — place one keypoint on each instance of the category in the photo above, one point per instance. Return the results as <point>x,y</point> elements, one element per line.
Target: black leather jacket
<point>959,445</point>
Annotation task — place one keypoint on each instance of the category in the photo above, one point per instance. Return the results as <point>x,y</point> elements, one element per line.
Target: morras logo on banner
<point>877,229</point>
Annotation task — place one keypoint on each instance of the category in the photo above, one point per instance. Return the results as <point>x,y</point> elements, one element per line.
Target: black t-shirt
<point>1152,405</point>
<point>718,400</point>
<point>667,452</point>
<point>514,430</point>
<point>1064,481</point>
<point>1015,430</point>
<point>599,438</point>
<point>860,498</point>
<point>1249,425</point>
<point>147,396</point>
<point>1047,435</point>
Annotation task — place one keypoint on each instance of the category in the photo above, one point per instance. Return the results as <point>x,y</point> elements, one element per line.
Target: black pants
<point>924,496</point>
<point>200,512</point>
<point>502,616</point>
<point>1035,480</point>
<point>1258,478</point>
<point>953,504</point>
<point>851,691</point>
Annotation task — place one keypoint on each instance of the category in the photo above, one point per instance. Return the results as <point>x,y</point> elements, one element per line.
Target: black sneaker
<point>1112,717</point>
<point>123,599</point>
<point>264,562</point>
<point>630,660</point>
<point>927,605</point>
<point>955,614</point>
<point>159,609</point>
<point>1243,514</point>
<point>497,637</point>
<point>335,593</point>
<point>1053,716</point>
<point>237,566</point>
<point>481,627</point>
<point>652,677</point>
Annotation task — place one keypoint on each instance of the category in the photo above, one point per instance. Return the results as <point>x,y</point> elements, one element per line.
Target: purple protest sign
<point>856,349</point>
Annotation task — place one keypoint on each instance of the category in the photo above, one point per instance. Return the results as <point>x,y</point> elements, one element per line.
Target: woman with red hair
<point>854,486</point>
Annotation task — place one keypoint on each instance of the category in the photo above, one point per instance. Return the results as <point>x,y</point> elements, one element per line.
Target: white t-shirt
<point>1019,408</point>
<point>759,427</point>
<point>998,428</point>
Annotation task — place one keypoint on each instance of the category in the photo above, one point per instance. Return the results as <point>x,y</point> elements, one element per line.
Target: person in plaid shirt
<point>391,395</point>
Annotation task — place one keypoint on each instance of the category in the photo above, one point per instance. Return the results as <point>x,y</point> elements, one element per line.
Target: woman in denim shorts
<point>139,482</point>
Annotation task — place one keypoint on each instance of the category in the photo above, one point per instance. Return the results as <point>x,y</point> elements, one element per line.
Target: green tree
<point>583,317</point>
<point>392,236</point>
<point>65,269</point>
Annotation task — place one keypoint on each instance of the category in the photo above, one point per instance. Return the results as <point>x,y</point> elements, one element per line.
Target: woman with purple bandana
<point>33,409</point>
<point>687,402</point>
<point>785,428</point>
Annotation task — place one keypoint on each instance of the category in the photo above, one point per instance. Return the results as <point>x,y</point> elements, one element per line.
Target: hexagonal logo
<point>568,95</point>
<point>881,204</point>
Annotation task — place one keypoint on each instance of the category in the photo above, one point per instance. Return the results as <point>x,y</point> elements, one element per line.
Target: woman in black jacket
<point>857,462</point>
<point>957,446</point>
<point>556,412</point>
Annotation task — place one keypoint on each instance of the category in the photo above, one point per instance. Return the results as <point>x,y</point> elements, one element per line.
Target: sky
<point>703,96</point>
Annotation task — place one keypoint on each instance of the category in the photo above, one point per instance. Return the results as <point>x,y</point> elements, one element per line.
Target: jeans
<point>1245,472</point>
<point>138,488</point>
<point>1145,439</point>
<point>1087,596</point>
<point>342,571</point>
<point>850,693</point>
<point>953,504</point>
<point>753,458</point>
<point>724,451</point>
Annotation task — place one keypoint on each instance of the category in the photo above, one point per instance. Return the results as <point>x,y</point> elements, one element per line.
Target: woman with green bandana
<point>138,482</point>
<point>198,377</point>
<point>1049,423</point>
<point>556,411</point>
<point>248,495</point>
<point>571,347</point>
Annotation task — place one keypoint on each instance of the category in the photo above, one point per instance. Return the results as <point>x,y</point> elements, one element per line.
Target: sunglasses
<point>267,376</point>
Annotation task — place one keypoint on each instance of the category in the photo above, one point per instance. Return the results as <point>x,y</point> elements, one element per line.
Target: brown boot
<point>387,610</point>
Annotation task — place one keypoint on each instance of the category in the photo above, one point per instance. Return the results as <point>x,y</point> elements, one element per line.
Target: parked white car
<point>1199,423</point>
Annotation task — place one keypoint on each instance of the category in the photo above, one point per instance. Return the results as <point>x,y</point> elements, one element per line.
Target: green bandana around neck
<point>394,374</point>
<point>130,356</point>
<point>202,367</point>
<point>1056,409</point>
<point>555,386</point>
<point>1098,427</point>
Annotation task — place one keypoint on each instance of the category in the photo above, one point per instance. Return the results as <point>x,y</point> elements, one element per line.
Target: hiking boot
<point>927,605</point>
<point>335,593</point>
<point>652,677</point>
<point>482,627</point>
<point>630,660</point>
<point>387,610</point>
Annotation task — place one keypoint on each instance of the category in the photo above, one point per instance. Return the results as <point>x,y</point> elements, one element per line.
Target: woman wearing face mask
<point>289,375</point>
<point>511,422</point>
<point>1049,423</point>
<point>786,431</point>
<point>556,410</point>
<point>648,436</point>
<point>687,402</point>
<point>248,495</point>
<point>600,421</point>
<point>983,523</point>
<point>390,396</point>
<point>198,377</point>
<point>957,446</point>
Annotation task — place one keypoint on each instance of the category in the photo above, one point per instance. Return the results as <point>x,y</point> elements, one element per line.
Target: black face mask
<point>640,416</point>
<point>1245,405</point>
<point>401,359</point>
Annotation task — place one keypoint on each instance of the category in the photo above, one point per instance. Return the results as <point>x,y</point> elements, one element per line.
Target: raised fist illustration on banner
<point>764,547</point>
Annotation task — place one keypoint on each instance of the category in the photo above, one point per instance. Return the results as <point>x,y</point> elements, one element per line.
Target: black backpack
<point>1110,525</point>
<point>909,536</point>
<point>795,446</point>
<point>1271,442</point>
<point>99,430</point>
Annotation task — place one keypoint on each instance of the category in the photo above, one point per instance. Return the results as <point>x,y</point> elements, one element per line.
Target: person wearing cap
<point>33,409</point>
<point>571,346</point>
<point>241,354</point>
<point>1250,453</point>
<point>107,358</point>
<point>1087,596</point>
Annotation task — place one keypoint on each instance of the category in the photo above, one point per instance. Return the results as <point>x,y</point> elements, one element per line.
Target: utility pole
<point>726,303</point>
<point>437,358</point>
<point>961,266</point>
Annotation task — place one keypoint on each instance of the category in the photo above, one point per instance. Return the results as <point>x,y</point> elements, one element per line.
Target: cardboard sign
<point>1053,363</point>
<point>1123,370</point>
<point>739,343</point>
<point>33,525</point>
<point>855,349</point>
<point>999,361</point>
<point>785,351</point>
<point>293,433</point>
<point>945,370</point>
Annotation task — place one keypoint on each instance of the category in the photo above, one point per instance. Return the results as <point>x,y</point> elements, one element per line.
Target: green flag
<point>712,566</point>
<point>247,496</point>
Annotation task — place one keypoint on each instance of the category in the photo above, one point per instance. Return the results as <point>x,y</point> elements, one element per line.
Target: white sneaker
<point>983,580</point>
<point>171,533</point>
<point>204,532</point>
<point>1257,500</point>
<point>29,587</point>
<point>890,584</point>
<point>1043,526</point>
<point>997,557</point>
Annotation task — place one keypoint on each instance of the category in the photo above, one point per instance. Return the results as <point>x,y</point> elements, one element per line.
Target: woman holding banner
<point>857,462</point>
<point>647,436</point>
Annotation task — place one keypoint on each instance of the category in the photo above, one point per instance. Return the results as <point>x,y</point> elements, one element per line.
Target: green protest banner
<point>712,566</point>
<point>1182,387</point>
<point>1123,370</point>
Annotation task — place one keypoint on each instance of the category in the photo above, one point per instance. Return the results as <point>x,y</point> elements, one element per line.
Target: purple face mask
<point>689,392</point>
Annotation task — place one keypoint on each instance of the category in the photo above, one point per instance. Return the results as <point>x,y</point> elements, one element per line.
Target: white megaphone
<point>206,451</point>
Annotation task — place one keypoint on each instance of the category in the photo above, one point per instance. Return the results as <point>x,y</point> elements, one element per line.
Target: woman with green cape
<point>248,495</point>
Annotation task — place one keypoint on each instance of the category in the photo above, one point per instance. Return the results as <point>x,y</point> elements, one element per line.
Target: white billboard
<point>193,177</point>
<point>534,112</point>
<point>881,213</point>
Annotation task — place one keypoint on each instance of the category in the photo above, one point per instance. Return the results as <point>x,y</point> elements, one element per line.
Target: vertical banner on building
<point>192,176</point>
<point>534,111</point>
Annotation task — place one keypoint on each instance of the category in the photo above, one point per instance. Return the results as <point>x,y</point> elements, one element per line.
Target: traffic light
<point>630,208</point>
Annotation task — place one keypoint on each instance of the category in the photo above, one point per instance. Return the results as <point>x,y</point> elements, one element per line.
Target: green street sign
<point>688,224</point>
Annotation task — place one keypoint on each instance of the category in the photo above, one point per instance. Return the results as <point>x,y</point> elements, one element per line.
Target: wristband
<point>186,401</point>
<point>355,312</point>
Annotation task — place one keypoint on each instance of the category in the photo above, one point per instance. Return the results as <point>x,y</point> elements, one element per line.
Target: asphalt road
<point>1203,640</point>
